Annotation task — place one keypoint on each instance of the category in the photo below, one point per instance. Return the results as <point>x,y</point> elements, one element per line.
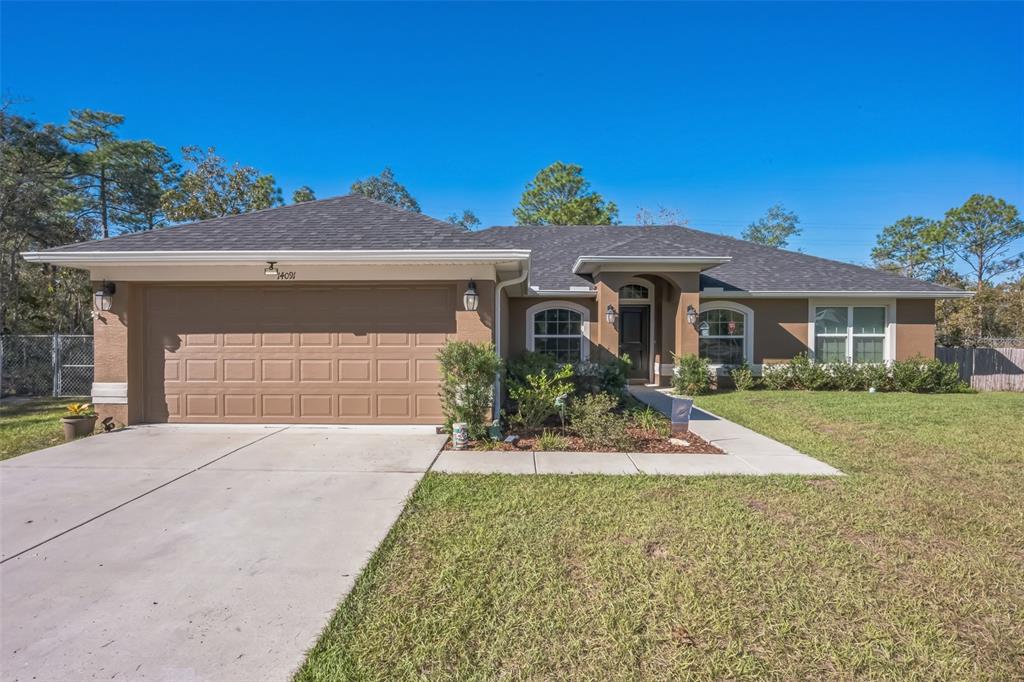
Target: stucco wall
<point>780,328</point>
<point>915,328</point>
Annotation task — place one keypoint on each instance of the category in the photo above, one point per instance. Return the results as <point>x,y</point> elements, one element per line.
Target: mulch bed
<point>644,441</point>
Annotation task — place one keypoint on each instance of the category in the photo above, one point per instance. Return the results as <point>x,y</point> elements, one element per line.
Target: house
<point>333,311</point>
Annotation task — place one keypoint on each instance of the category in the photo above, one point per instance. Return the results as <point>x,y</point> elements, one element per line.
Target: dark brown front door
<point>635,339</point>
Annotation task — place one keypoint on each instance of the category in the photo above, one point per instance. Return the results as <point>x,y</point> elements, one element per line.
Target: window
<point>723,336</point>
<point>849,334</point>
<point>634,292</point>
<point>558,331</point>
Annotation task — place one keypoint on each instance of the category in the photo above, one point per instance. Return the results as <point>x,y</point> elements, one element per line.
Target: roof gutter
<point>496,403</point>
<point>790,293</point>
<point>91,258</point>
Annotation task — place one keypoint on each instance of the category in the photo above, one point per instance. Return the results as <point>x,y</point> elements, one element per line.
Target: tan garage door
<point>296,354</point>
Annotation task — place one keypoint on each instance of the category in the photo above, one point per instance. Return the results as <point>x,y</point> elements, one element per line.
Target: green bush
<point>847,376</point>
<point>536,395</point>
<point>917,375</point>
<point>468,371</point>
<point>776,377</point>
<point>691,375</point>
<point>649,419</point>
<point>530,363</point>
<point>551,441</point>
<point>593,419</point>
<point>742,377</point>
<point>808,375</point>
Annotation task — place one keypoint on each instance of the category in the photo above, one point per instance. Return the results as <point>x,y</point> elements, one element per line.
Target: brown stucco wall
<point>915,328</point>
<point>119,338</point>
<point>780,328</point>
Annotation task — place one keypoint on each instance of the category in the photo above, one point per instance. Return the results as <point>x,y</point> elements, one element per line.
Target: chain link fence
<point>46,365</point>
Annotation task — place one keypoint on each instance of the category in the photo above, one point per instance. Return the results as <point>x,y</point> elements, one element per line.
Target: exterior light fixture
<point>270,270</point>
<point>471,299</point>
<point>611,315</point>
<point>691,315</point>
<point>103,298</point>
<point>704,328</point>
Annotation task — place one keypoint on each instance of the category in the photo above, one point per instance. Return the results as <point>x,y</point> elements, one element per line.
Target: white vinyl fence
<point>46,365</point>
<point>987,369</point>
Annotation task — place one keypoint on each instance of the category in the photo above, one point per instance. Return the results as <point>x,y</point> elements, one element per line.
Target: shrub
<point>593,419</point>
<point>601,377</point>
<point>875,375</point>
<point>921,375</point>
<point>808,375</point>
<point>550,440</point>
<point>691,375</point>
<point>537,395</point>
<point>742,377</point>
<point>468,371</point>
<point>529,363</point>
<point>649,419</point>
<point>847,376</point>
<point>776,377</point>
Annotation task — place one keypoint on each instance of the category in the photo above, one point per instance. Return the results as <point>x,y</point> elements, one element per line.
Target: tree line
<point>81,180</point>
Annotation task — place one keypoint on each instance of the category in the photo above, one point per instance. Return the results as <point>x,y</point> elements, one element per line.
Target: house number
<point>286,275</point>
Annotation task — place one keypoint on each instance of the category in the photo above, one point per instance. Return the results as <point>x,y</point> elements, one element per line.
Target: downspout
<point>496,409</point>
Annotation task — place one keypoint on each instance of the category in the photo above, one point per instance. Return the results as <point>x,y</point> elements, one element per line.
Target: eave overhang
<point>88,259</point>
<point>590,265</point>
<point>721,293</point>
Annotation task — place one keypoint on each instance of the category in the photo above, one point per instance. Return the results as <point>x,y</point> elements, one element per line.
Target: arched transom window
<point>723,336</point>
<point>558,331</point>
<point>634,292</point>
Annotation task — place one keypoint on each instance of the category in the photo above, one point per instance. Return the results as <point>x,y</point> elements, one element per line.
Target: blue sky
<point>853,115</point>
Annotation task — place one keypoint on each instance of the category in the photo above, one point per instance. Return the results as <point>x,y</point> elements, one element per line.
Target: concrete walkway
<point>746,452</point>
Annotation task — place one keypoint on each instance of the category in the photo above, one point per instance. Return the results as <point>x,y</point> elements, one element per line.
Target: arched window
<point>558,329</point>
<point>726,333</point>
<point>634,292</point>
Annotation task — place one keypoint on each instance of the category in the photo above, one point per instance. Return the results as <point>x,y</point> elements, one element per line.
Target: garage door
<point>296,354</point>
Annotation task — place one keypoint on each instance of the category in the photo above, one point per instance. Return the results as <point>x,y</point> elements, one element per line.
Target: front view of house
<point>333,311</point>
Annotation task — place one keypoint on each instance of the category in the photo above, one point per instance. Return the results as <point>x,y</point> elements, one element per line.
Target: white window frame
<point>748,328</point>
<point>584,313</point>
<point>888,346</point>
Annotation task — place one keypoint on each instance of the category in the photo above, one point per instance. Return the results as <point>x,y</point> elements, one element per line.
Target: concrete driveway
<point>192,552</point>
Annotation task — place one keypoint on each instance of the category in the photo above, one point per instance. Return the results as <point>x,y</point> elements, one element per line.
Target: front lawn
<point>31,425</point>
<point>910,567</point>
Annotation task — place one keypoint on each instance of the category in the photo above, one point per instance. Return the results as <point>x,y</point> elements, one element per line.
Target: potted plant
<point>78,421</point>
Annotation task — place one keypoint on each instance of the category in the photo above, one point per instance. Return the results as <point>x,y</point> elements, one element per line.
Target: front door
<point>635,339</point>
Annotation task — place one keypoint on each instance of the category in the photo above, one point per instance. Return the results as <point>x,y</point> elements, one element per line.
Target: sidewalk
<point>746,452</point>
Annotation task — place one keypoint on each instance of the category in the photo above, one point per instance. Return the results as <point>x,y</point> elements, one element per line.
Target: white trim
<point>568,305</point>
<point>110,393</point>
<point>889,345</point>
<point>748,324</point>
<point>564,293</point>
<point>850,294</point>
<point>308,256</point>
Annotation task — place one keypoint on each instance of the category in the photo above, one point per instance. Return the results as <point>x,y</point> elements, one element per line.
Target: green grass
<point>909,568</point>
<point>29,426</point>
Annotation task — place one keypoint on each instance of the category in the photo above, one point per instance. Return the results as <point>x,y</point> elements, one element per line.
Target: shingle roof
<point>753,267</point>
<point>339,223</point>
<point>354,222</point>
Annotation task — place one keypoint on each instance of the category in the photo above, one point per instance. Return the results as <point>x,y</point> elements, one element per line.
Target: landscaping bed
<point>642,441</point>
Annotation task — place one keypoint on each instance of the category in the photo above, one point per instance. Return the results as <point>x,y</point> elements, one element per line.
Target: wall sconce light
<point>691,315</point>
<point>471,299</point>
<point>611,315</point>
<point>270,270</point>
<point>103,298</point>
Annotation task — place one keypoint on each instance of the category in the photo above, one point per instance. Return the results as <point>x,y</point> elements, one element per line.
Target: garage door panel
<point>320,354</point>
